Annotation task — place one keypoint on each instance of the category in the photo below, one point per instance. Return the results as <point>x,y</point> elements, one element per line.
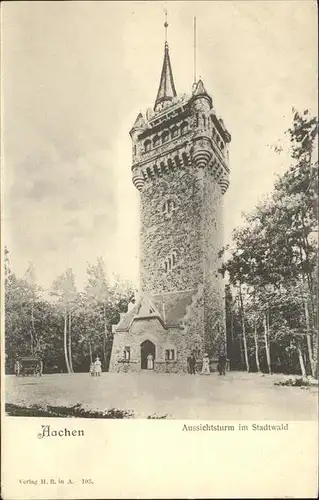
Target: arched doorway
<point>147,347</point>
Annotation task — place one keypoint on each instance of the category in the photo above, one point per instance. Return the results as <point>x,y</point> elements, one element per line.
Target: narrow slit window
<point>127,353</point>
<point>174,259</point>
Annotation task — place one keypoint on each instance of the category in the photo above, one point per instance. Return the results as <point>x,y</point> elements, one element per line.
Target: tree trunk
<point>31,342</point>
<point>243,328</point>
<point>309,339</point>
<point>301,362</point>
<point>256,348</point>
<point>70,344</point>
<point>105,337</point>
<point>32,327</point>
<point>267,345</point>
<point>65,342</point>
<point>90,347</point>
<point>315,354</point>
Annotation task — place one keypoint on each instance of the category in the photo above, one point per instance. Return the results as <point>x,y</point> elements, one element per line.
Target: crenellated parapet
<point>184,133</point>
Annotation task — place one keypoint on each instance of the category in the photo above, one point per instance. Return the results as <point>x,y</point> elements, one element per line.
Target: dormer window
<point>147,145</point>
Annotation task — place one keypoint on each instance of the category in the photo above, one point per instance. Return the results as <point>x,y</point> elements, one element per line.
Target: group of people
<point>96,368</point>
<point>191,364</point>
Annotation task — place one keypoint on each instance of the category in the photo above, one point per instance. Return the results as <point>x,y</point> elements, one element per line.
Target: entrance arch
<point>147,347</point>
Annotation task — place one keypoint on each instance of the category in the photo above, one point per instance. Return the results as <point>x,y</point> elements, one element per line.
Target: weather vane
<point>166,26</point>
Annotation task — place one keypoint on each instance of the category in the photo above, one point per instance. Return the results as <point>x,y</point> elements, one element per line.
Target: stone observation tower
<point>180,168</point>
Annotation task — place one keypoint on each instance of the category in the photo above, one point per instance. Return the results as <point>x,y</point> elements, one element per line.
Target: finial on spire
<point>165,25</point>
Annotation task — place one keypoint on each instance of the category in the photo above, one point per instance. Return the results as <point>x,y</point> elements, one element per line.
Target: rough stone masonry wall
<point>212,224</point>
<point>160,233</point>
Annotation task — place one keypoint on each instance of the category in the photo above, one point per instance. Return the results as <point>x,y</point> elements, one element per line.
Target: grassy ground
<point>238,395</point>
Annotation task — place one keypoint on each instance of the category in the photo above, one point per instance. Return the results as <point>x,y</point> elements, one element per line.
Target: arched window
<point>156,141</point>
<point>174,259</point>
<point>165,136</point>
<point>169,207</point>
<point>147,145</point>
<point>170,355</point>
<point>184,128</point>
<point>170,261</point>
<point>174,132</point>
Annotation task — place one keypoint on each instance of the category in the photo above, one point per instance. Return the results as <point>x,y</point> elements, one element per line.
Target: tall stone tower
<point>180,167</point>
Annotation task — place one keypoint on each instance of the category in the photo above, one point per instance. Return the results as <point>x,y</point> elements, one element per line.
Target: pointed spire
<point>199,88</point>
<point>199,91</point>
<point>166,91</point>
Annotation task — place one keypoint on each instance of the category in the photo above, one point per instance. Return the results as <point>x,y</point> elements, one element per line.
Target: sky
<point>76,74</point>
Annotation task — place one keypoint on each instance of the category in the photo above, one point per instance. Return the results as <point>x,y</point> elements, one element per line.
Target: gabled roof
<point>169,308</point>
<point>173,305</point>
<point>166,90</point>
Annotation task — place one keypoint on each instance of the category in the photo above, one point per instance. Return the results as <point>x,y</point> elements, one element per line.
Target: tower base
<point>161,331</point>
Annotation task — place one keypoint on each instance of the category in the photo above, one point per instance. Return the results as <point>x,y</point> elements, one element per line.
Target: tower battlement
<point>186,131</point>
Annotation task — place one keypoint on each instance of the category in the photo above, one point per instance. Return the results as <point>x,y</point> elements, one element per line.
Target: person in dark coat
<point>222,360</point>
<point>192,364</point>
<point>188,364</point>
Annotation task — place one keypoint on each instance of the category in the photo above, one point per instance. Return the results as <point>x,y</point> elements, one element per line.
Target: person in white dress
<point>205,369</point>
<point>150,362</point>
<point>97,367</point>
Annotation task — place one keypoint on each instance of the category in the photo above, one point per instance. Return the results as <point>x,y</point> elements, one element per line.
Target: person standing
<point>188,364</point>
<point>222,363</point>
<point>150,362</point>
<point>205,368</point>
<point>17,368</point>
<point>97,367</point>
<point>192,364</point>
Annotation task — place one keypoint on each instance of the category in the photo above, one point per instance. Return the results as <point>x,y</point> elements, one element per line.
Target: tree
<point>273,257</point>
<point>104,300</point>
<point>64,289</point>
